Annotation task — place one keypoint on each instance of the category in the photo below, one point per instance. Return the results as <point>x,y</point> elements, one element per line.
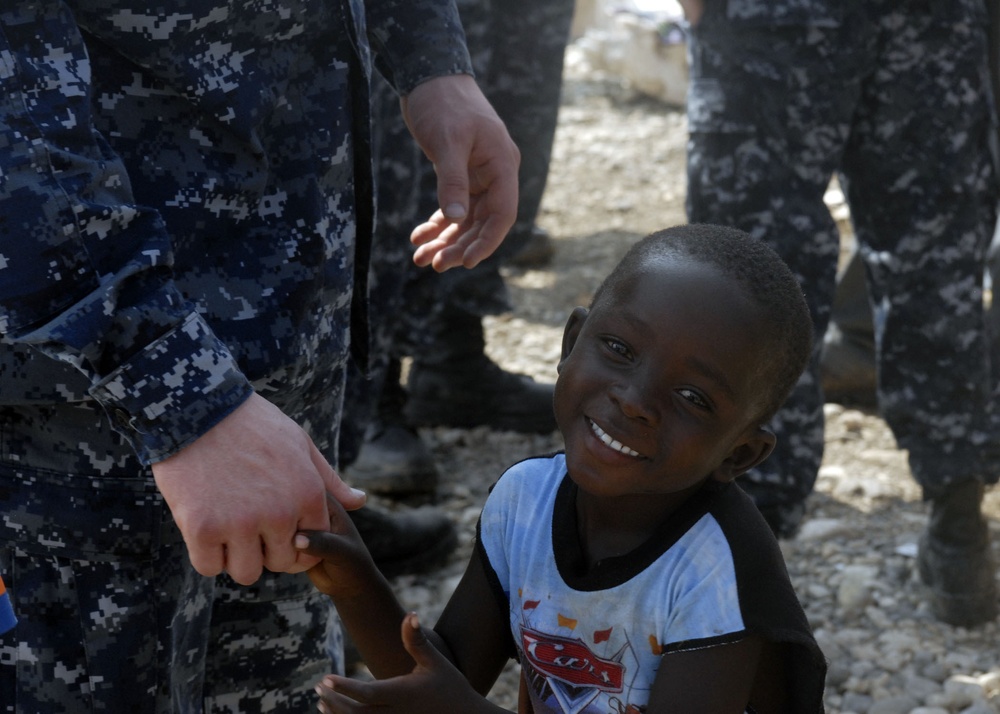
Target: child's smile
<point>658,384</point>
<point>612,443</point>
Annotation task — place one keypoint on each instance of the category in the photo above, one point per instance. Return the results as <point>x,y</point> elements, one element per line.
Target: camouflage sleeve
<point>416,40</point>
<point>85,273</point>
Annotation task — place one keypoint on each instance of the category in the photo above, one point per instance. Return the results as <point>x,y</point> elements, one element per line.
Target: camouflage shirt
<point>186,200</point>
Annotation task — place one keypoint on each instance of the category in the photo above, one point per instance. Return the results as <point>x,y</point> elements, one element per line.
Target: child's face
<point>657,390</point>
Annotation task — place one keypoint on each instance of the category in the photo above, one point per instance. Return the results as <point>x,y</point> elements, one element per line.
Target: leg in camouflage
<point>925,253</point>
<point>112,618</point>
<point>760,157</point>
<point>906,125</point>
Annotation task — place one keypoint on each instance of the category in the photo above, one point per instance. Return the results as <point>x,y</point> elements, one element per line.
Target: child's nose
<point>633,399</point>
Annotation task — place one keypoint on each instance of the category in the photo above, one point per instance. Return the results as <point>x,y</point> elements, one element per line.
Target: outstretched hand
<point>476,163</point>
<point>434,685</point>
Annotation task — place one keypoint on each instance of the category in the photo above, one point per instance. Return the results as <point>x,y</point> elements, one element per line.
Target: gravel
<point>617,174</point>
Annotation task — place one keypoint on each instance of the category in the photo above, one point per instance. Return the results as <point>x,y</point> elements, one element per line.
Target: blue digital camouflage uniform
<point>517,53</point>
<point>185,213</point>
<point>894,95</point>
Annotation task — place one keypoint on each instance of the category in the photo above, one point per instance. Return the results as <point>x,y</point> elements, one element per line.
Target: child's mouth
<point>610,442</point>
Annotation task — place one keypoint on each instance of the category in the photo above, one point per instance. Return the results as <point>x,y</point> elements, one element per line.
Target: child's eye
<point>695,398</point>
<point>618,347</point>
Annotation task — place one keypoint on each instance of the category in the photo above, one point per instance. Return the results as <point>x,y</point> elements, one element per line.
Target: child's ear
<point>747,454</point>
<point>571,332</point>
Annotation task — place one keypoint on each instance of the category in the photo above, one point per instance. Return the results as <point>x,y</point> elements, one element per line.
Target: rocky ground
<point>617,174</point>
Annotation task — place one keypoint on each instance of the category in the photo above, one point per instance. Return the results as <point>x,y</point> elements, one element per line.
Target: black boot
<point>536,251</point>
<point>393,460</point>
<point>406,542</point>
<point>955,560</point>
<point>453,383</point>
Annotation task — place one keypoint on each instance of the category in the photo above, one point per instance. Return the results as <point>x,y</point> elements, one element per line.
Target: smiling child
<point>628,573</point>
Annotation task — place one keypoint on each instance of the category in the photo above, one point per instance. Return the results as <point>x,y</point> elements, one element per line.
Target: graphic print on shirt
<point>571,674</point>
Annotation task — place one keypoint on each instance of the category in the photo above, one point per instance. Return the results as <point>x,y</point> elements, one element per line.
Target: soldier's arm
<point>85,271</point>
<point>420,47</point>
<point>86,278</point>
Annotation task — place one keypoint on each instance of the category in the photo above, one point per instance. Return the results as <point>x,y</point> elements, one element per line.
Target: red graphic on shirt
<point>571,661</point>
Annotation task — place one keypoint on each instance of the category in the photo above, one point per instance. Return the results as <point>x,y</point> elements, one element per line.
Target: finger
<point>455,254</point>
<point>245,559</point>
<point>451,255</point>
<point>207,559</point>
<point>489,238</point>
<point>347,694</point>
<point>430,229</point>
<point>350,498</point>
<point>449,236</point>
<point>318,544</point>
<point>332,701</point>
<point>497,204</point>
<point>330,542</point>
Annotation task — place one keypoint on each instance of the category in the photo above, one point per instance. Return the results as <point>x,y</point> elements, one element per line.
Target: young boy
<point>628,574</point>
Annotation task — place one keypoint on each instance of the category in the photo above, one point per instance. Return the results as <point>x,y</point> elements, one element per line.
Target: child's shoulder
<point>540,466</point>
<point>532,475</point>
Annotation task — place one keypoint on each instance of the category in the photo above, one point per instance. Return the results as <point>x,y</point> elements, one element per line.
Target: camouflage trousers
<point>893,96</point>
<point>112,618</point>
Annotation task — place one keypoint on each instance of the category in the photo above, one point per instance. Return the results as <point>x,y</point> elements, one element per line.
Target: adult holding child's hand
<point>241,491</point>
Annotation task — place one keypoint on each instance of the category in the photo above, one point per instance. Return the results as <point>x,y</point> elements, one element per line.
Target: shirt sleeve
<point>86,272</point>
<point>416,40</point>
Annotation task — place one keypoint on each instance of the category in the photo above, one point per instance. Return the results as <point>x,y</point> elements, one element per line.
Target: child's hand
<point>347,568</point>
<point>432,687</point>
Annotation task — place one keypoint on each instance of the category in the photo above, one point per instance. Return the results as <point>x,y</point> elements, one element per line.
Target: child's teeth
<point>614,444</point>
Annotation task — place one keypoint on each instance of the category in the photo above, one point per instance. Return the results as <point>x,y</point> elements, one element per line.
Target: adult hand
<point>241,491</point>
<point>434,685</point>
<point>476,163</point>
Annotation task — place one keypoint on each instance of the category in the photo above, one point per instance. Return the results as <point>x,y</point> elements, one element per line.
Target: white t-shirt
<point>591,642</point>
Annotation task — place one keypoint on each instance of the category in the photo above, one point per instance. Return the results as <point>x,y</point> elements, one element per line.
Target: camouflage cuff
<point>173,391</point>
<point>418,41</point>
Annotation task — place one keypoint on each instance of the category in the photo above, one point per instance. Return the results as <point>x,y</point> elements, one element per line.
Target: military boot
<point>537,250</point>
<point>406,541</point>
<point>453,383</point>
<point>393,459</point>
<point>954,558</point>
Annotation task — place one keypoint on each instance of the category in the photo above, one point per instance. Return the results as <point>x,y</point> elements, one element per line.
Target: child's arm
<point>434,685</point>
<point>365,601</point>
<point>722,679</point>
<point>468,649</point>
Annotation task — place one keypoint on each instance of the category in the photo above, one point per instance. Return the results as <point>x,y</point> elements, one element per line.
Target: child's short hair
<point>763,276</point>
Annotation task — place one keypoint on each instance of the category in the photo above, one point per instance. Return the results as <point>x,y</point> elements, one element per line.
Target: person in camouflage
<point>895,97</point>
<point>185,218</point>
<point>517,51</point>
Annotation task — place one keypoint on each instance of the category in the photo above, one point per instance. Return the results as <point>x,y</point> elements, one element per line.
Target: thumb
<point>415,642</point>
<point>451,167</point>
